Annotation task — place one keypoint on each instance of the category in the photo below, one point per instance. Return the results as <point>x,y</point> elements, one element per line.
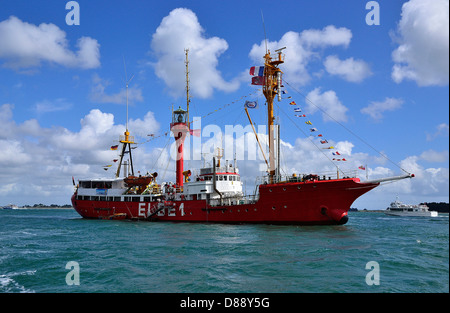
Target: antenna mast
<point>188,100</point>
<point>264,27</point>
<point>126,139</point>
<point>126,85</point>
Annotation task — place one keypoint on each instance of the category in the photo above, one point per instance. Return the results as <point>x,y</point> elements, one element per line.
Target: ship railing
<point>123,138</point>
<point>249,199</point>
<point>226,201</point>
<point>306,177</point>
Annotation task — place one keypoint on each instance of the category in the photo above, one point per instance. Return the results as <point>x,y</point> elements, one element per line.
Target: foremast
<point>272,88</point>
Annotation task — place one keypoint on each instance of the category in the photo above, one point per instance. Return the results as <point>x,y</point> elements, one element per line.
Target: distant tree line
<point>441,207</point>
<point>40,205</point>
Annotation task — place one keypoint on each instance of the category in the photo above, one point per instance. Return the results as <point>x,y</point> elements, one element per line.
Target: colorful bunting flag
<point>257,71</point>
<point>258,80</point>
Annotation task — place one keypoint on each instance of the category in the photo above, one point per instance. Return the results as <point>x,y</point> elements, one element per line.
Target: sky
<point>371,76</point>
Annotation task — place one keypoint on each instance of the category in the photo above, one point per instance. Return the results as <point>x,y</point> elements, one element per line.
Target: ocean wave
<point>8,284</point>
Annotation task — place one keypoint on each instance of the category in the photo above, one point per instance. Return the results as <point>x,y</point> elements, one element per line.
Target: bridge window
<point>96,184</point>
<point>85,184</point>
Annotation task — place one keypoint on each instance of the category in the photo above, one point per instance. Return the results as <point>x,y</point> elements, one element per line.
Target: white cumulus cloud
<point>24,45</point>
<point>328,36</point>
<point>329,103</point>
<point>375,109</point>
<point>423,51</point>
<point>181,30</point>
<point>350,69</point>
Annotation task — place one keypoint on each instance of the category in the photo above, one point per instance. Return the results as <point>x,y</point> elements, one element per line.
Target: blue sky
<point>62,90</point>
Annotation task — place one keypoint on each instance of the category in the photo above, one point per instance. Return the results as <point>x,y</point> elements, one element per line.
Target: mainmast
<point>271,88</point>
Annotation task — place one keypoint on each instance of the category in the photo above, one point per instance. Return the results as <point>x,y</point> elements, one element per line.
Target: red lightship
<point>217,196</point>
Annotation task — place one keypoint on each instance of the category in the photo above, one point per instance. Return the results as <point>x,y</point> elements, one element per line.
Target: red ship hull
<point>304,203</point>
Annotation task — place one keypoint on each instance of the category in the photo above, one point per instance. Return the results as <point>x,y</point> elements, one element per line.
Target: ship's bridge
<point>224,182</point>
<point>96,187</point>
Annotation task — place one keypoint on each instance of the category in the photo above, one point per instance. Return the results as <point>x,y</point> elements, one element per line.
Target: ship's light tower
<point>179,127</point>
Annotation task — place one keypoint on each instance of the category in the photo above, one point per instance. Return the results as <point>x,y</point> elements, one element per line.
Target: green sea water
<point>372,253</point>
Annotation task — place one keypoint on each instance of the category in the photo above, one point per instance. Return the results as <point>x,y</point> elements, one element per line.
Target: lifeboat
<point>132,181</point>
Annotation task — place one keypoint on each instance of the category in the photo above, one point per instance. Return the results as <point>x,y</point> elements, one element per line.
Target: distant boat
<point>398,208</point>
<point>10,207</point>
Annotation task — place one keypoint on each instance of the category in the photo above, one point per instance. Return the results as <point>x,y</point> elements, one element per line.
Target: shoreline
<point>45,208</point>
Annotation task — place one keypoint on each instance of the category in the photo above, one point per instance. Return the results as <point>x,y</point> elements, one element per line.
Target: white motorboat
<point>398,208</point>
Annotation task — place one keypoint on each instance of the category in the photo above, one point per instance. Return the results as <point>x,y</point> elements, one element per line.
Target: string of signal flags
<point>337,156</point>
<point>257,73</point>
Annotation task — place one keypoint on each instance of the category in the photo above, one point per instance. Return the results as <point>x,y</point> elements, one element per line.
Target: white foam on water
<point>8,284</point>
